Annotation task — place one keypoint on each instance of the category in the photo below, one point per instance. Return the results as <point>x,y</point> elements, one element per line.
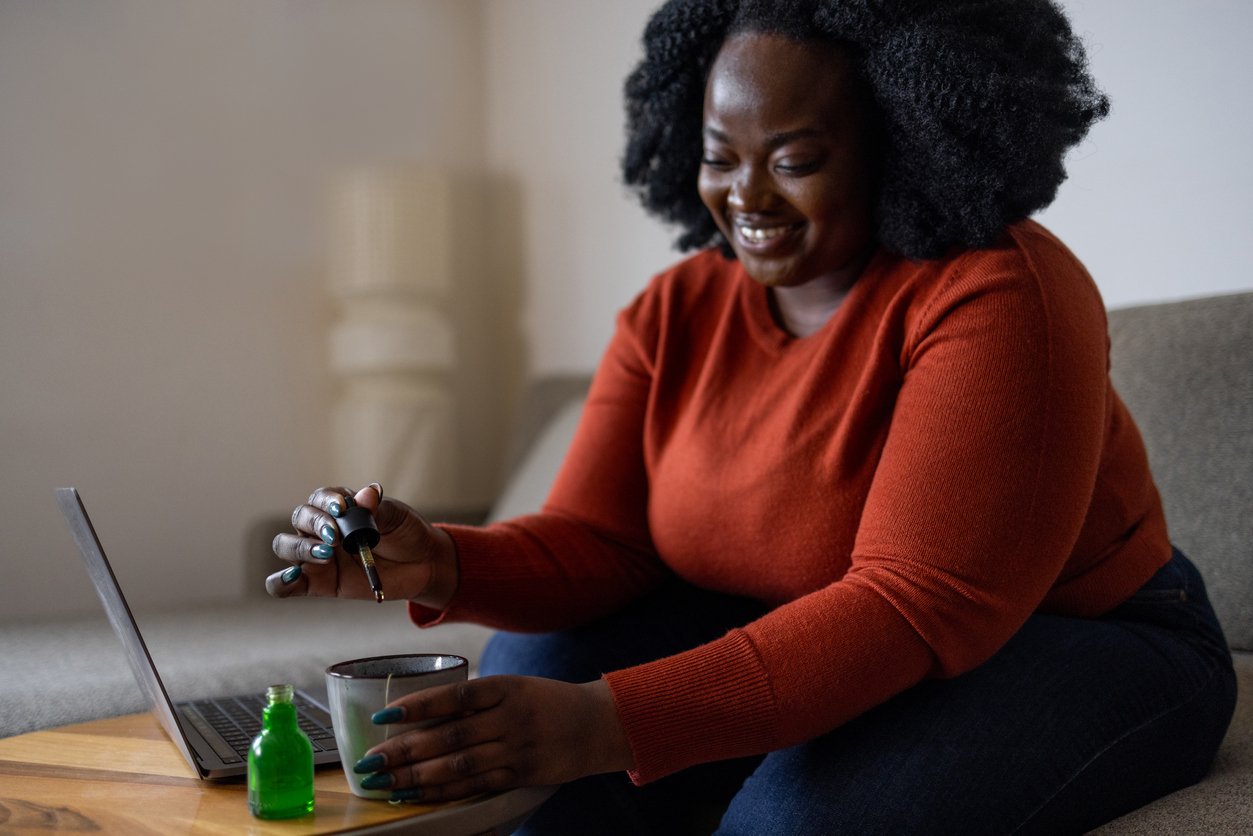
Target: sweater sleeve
<point>588,551</point>
<point>978,497</point>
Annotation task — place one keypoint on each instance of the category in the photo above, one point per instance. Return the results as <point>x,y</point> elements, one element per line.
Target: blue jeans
<point>1072,723</point>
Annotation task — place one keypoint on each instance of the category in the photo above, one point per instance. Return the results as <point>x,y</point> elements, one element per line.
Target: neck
<point>804,309</point>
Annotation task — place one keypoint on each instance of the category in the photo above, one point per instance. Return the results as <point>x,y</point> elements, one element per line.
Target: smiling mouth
<point>762,236</point>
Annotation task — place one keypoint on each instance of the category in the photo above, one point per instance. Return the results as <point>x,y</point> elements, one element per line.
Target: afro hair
<point>978,102</point>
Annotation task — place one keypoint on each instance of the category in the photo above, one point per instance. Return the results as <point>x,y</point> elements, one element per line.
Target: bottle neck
<point>278,715</point>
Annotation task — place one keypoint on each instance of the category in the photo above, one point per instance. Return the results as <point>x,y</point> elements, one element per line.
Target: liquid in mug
<point>280,761</point>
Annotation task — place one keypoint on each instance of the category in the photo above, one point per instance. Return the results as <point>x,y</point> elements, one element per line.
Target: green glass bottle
<point>280,761</point>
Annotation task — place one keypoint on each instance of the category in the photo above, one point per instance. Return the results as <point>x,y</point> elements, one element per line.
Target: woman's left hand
<point>497,733</point>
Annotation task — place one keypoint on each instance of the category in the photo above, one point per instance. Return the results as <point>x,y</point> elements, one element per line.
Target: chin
<point>769,277</point>
<point>781,270</point>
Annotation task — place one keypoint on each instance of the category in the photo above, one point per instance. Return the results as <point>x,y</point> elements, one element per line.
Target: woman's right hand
<point>415,561</point>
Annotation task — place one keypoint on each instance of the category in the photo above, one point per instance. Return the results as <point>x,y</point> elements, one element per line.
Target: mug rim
<point>460,661</point>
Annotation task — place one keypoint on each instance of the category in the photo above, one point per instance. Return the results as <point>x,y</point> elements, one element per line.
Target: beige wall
<point>162,314</point>
<point>163,168</point>
<point>1160,196</point>
<point>555,70</point>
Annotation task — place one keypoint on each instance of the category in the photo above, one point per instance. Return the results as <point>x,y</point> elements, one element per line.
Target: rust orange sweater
<point>905,486</point>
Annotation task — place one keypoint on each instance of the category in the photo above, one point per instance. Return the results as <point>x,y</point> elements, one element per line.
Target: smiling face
<point>788,169</point>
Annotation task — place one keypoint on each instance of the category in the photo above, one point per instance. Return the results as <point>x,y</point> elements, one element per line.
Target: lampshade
<point>390,231</point>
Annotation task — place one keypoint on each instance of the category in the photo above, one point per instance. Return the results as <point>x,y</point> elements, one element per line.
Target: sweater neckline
<point>770,335</point>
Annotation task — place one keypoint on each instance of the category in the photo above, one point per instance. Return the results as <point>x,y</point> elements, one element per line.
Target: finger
<point>449,700</point>
<point>496,780</point>
<point>439,741</point>
<point>290,581</point>
<point>316,522</point>
<point>370,497</point>
<point>330,499</point>
<point>395,517</point>
<point>294,548</point>
<point>468,728</point>
<point>478,769</point>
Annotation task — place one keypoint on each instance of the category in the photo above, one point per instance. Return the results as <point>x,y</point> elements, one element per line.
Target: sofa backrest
<point>539,462</point>
<point>1185,369</point>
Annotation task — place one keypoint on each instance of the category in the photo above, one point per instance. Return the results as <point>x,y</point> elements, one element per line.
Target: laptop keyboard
<point>237,721</point>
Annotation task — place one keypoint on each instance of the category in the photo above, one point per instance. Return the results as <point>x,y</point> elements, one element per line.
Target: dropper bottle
<point>280,761</point>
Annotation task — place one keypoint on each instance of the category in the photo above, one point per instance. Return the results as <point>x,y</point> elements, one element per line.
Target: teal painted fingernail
<point>322,552</point>
<point>328,534</point>
<point>370,763</point>
<point>335,508</point>
<point>387,715</point>
<point>290,574</point>
<point>379,781</point>
<point>408,794</point>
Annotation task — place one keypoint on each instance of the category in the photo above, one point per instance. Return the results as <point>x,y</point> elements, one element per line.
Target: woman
<point>854,535</point>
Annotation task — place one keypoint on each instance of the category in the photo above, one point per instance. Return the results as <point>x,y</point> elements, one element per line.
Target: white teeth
<point>758,235</point>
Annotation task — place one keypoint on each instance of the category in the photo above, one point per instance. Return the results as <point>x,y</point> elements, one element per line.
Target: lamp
<point>392,346</point>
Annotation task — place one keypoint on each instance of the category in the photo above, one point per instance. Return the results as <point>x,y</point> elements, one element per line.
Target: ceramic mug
<point>358,688</point>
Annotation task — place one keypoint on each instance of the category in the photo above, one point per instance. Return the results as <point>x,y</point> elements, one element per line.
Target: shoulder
<point>1026,295</point>
<point>699,275</point>
<point>1026,255</point>
<point>677,310</point>
<point>1027,277</point>
<point>1040,256</point>
<point>692,289</point>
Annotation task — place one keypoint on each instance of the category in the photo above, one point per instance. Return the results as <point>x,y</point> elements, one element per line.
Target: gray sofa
<point>1185,369</point>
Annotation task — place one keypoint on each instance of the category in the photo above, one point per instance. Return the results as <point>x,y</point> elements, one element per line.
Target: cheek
<point>711,194</point>
<point>841,204</point>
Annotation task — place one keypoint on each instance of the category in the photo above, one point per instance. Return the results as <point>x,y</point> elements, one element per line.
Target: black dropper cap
<point>357,527</point>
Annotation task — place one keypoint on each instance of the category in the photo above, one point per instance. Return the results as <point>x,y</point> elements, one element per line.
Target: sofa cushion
<point>1185,369</point>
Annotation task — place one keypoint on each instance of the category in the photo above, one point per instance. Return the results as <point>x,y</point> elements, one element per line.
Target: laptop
<point>212,734</point>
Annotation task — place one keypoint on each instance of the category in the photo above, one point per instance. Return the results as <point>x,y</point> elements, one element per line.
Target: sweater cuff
<point>710,703</point>
<point>425,616</point>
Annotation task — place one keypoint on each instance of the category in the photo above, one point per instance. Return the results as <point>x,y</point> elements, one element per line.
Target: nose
<point>750,190</point>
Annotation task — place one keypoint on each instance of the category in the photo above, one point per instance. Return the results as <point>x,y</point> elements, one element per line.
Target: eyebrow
<point>772,141</point>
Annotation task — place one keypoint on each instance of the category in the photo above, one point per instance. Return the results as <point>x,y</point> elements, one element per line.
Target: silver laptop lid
<point>123,621</point>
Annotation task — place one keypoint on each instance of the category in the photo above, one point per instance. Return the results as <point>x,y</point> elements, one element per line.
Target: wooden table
<point>123,775</point>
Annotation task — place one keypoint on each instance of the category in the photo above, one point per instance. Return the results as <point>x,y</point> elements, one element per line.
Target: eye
<point>797,166</point>
<point>717,163</point>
